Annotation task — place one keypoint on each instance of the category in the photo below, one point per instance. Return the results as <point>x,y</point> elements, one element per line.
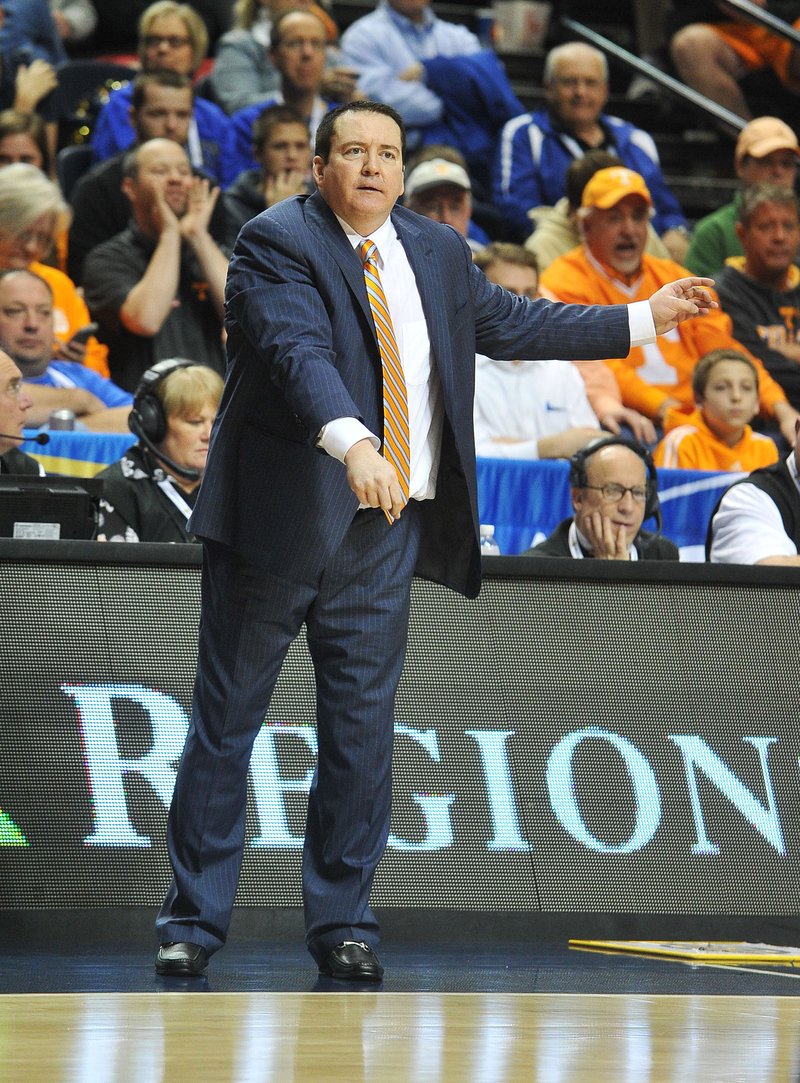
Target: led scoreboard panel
<point>585,737</point>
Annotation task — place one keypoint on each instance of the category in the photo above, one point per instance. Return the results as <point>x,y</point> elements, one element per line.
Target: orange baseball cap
<point>608,186</point>
<point>764,135</point>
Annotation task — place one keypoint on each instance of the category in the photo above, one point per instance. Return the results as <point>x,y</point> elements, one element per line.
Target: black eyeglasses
<point>152,41</point>
<point>614,492</point>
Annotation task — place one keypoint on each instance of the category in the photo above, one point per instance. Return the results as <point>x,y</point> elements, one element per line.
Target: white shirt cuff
<point>640,323</point>
<point>337,437</point>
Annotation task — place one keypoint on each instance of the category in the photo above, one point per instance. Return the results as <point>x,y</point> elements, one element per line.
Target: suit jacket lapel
<point>325,227</point>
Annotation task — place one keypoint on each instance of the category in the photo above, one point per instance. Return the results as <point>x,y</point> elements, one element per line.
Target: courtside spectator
<point>441,189</point>
<point>26,334</point>
<point>717,436</point>
<point>760,291</point>
<point>610,267</point>
<point>298,43</point>
<point>161,108</point>
<point>613,486</point>
<point>527,409</point>
<point>149,494</point>
<point>537,148</point>
<point>172,37</point>
<point>757,520</point>
<point>282,148</point>
<point>767,152</point>
<point>23,139</point>
<point>32,214</point>
<point>443,83</point>
<point>244,73</point>
<point>14,404</point>
<point>556,228</point>
<point>157,288</point>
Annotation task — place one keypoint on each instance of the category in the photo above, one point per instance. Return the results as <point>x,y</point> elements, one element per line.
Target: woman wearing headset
<point>149,494</point>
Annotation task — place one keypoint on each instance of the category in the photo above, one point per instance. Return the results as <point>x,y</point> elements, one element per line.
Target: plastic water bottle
<point>489,546</point>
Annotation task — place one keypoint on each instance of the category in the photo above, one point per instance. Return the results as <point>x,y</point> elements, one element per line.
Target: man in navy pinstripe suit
<point>292,512</point>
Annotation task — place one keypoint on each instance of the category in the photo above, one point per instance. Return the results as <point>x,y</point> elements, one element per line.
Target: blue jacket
<point>478,101</point>
<point>208,135</point>
<point>72,374</point>
<point>533,157</point>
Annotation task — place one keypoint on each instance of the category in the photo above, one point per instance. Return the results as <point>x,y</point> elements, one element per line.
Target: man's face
<point>514,277</point>
<point>412,9</point>
<point>446,203</point>
<point>779,167</point>
<point>614,465</point>
<point>730,399</point>
<point>14,401</point>
<point>617,236</point>
<point>163,166</point>
<point>578,90</point>
<point>287,149</point>
<point>23,249</point>
<point>26,322</point>
<point>20,147</point>
<point>164,114</point>
<point>300,54</point>
<point>363,177</point>
<point>770,241</point>
<point>167,46</point>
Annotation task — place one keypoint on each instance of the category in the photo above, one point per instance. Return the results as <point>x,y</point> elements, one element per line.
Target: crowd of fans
<point>105,282</point>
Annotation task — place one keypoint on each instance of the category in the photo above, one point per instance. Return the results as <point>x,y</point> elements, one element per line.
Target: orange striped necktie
<point>396,440</point>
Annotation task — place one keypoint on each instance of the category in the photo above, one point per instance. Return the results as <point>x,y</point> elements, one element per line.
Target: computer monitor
<point>48,508</point>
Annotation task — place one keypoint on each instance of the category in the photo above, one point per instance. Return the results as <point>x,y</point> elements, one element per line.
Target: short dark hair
<point>701,373</point>
<point>13,122</point>
<point>270,118</point>
<point>162,77</point>
<point>581,171</point>
<point>505,252</point>
<point>327,126</point>
<point>757,195</point>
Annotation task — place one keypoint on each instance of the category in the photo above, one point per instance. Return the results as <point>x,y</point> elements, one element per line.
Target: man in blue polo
<point>26,334</point>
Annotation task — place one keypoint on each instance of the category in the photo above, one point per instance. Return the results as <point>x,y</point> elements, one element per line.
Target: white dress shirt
<point>748,526</point>
<point>422,382</point>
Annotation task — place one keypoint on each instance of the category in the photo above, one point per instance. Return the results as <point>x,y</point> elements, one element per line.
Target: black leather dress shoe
<point>181,960</point>
<point>352,960</point>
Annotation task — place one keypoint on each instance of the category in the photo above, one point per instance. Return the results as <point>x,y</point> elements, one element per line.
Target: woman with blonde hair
<point>32,214</point>
<point>149,494</point>
<point>172,37</point>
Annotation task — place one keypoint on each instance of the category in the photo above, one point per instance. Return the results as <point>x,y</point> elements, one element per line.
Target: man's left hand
<point>681,300</point>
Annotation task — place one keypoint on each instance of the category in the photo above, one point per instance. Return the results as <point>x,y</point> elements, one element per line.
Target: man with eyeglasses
<point>14,402</point>
<point>298,41</point>
<point>613,488</point>
<point>611,266</point>
<point>172,37</point>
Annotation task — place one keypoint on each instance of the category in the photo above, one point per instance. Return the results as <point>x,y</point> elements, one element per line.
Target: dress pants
<point>357,623</point>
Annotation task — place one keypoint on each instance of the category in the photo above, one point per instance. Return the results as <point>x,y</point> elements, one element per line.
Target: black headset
<point>147,419</point>
<point>578,478</point>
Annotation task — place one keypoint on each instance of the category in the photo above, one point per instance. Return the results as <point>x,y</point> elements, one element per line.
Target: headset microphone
<point>40,438</point>
<point>135,425</point>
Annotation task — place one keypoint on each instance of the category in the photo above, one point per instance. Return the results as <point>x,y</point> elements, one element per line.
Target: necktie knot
<point>369,252</point>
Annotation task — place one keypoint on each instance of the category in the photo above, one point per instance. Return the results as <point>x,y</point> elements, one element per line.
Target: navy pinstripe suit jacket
<point>302,351</point>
